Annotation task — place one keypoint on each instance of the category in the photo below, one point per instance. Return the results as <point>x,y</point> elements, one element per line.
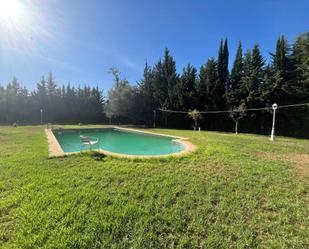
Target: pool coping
<point>55,150</point>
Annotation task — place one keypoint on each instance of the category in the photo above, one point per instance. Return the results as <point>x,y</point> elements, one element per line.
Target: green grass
<point>234,191</point>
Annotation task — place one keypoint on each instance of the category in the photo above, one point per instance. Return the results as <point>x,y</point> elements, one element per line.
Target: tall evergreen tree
<point>209,95</point>
<point>253,78</point>
<point>277,73</point>
<point>41,88</point>
<point>280,57</point>
<point>223,73</point>
<point>187,89</point>
<point>236,76</point>
<point>144,101</point>
<point>258,66</point>
<point>246,79</point>
<point>172,80</point>
<point>51,86</point>
<point>297,86</point>
<point>145,83</point>
<point>160,90</point>
<point>41,94</point>
<point>166,82</point>
<point>226,64</point>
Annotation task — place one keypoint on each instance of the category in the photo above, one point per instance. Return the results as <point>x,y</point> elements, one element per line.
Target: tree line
<point>250,82</point>
<point>62,104</point>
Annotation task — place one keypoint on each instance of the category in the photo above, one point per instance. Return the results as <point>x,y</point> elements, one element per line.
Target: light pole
<point>272,136</point>
<point>41,116</point>
<point>154,118</point>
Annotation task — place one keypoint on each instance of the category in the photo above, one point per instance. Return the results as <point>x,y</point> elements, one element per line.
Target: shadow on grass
<point>97,156</point>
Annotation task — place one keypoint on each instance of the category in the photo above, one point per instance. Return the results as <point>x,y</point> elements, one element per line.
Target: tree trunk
<point>236,126</point>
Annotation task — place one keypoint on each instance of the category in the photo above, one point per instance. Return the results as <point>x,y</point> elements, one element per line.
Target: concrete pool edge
<point>55,150</point>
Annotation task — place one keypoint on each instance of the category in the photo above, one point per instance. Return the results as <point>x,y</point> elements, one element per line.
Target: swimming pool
<point>120,142</point>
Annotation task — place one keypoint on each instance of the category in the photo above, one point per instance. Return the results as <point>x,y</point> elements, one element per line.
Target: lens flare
<point>28,31</point>
<point>10,11</point>
<point>22,27</point>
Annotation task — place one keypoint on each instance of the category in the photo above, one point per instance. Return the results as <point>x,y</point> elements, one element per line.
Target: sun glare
<point>21,25</point>
<point>10,11</point>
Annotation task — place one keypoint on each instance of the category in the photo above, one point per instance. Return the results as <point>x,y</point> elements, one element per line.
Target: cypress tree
<point>223,73</point>
<point>236,75</point>
<point>280,58</point>
<point>277,73</point>
<point>226,64</point>
<point>220,63</point>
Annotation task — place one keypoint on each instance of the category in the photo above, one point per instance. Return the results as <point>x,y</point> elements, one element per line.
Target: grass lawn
<point>235,191</point>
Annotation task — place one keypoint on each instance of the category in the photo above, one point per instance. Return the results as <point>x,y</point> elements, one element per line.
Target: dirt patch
<point>299,161</point>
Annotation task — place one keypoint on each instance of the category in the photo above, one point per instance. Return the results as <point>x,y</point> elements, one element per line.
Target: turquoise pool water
<point>119,141</point>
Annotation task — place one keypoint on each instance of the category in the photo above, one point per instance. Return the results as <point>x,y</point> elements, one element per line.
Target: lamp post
<point>272,136</point>
<point>154,118</point>
<point>41,116</point>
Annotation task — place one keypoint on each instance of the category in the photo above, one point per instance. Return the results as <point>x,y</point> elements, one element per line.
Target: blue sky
<point>79,40</point>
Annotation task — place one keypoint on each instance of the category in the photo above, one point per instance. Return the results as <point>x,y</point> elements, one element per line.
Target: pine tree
<point>277,73</point>
<point>41,94</point>
<point>51,86</point>
<point>258,64</point>
<point>145,84</point>
<point>253,77</point>
<point>41,88</point>
<point>208,93</point>
<point>188,83</point>
<point>202,89</point>
<point>12,101</point>
<point>144,101</point>
<point>246,79</point>
<point>172,79</point>
<point>297,86</point>
<point>160,90</point>
<point>166,82</point>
